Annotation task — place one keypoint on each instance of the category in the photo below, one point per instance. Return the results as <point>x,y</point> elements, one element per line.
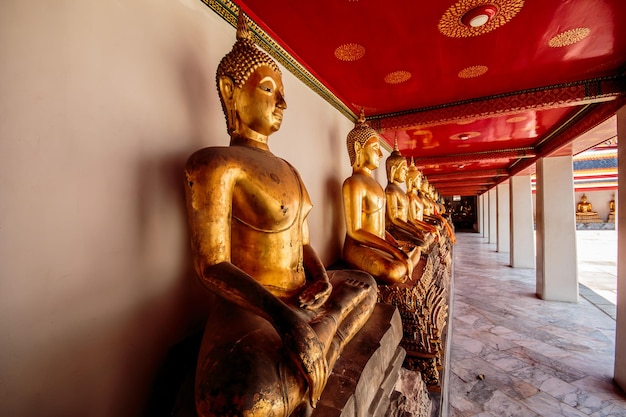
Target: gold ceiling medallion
<point>465,122</point>
<point>467,18</point>
<point>397,77</point>
<point>349,52</point>
<point>569,37</point>
<point>464,135</point>
<point>516,119</point>
<point>473,71</point>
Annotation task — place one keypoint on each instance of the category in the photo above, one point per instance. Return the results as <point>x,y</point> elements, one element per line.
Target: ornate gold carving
<point>450,23</point>
<point>349,52</point>
<point>569,37</point>
<point>397,77</point>
<point>473,71</point>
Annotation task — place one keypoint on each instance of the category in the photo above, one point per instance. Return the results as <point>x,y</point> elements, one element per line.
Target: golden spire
<point>243,32</point>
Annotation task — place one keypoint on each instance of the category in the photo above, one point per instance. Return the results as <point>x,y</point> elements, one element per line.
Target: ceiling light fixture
<point>479,16</point>
<point>463,136</point>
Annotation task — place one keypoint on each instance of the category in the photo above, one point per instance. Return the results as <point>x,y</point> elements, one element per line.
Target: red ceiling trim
<point>551,97</point>
<point>462,175</point>
<point>477,157</point>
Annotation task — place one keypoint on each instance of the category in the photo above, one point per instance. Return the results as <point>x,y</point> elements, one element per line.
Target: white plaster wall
<point>100,105</point>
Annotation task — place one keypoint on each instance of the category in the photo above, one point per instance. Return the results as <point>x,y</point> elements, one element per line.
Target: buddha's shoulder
<point>218,156</point>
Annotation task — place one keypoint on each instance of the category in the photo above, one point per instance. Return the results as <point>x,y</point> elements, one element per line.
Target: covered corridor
<point>513,354</point>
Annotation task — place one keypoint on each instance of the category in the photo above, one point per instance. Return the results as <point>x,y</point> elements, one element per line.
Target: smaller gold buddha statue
<point>584,206</point>
<point>585,213</point>
<point>416,205</point>
<point>368,246</point>
<point>611,216</point>
<point>397,215</point>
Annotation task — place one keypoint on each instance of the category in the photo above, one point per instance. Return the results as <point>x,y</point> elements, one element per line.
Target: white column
<point>522,231</point>
<point>485,214</point>
<point>620,323</point>
<point>479,213</point>
<point>503,225</point>
<point>493,216</point>
<point>557,271</point>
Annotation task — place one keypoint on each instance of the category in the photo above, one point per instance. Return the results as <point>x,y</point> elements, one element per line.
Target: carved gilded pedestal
<point>423,304</point>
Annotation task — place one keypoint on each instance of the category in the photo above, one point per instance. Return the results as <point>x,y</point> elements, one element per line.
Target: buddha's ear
<point>227,87</point>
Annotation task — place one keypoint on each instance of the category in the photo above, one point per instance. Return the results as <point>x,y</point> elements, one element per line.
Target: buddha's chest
<point>268,195</point>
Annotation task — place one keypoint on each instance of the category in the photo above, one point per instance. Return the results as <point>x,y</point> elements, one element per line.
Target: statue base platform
<point>366,373</point>
<point>362,380</point>
<point>588,218</point>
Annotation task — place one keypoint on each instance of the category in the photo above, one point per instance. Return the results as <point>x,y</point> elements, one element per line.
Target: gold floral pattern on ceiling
<point>397,77</point>
<point>569,37</point>
<point>349,52</point>
<point>473,71</point>
<point>450,23</point>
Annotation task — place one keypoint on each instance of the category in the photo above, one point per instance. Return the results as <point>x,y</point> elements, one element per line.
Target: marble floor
<point>513,354</point>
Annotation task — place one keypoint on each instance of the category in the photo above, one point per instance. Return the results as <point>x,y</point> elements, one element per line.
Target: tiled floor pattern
<point>513,354</point>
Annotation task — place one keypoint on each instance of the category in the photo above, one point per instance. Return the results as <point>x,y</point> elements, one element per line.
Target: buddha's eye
<point>265,88</point>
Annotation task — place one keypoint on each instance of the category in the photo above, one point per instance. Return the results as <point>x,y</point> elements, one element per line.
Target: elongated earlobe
<point>227,92</point>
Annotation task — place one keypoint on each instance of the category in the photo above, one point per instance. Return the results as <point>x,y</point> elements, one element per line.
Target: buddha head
<point>250,86</point>
<point>363,145</point>
<point>396,165</point>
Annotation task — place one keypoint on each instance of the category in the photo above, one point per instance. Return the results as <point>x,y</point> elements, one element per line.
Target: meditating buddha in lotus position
<point>584,207</point>
<point>397,215</point>
<point>368,246</point>
<point>279,320</point>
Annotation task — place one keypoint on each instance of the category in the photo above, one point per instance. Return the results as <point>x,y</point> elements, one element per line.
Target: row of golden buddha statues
<point>279,319</point>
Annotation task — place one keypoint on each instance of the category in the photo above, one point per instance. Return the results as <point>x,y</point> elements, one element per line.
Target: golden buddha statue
<point>397,203</point>
<point>429,207</point>
<point>413,186</point>
<point>279,320</point>
<point>584,206</point>
<point>612,205</point>
<point>368,246</point>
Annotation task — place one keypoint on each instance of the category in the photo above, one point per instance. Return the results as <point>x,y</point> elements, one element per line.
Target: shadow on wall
<point>185,302</point>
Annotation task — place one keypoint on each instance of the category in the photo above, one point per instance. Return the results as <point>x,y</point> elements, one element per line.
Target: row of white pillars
<point>506,219</point>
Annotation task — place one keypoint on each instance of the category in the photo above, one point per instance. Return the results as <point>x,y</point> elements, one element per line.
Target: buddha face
<point>401,171</point>
<point>261,101</point>
<point>371,153</point>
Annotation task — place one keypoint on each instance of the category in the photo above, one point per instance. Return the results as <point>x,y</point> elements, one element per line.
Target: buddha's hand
<point>307,353</point>
<point>406,258</point>
<point>315,294</point>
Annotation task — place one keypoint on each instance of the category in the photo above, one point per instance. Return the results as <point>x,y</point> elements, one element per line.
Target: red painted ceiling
<point>472,106</point>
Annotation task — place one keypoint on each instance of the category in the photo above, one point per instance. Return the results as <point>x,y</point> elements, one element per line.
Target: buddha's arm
<point>319,287</point>
<point>429,228</point>
<point>209,198</point>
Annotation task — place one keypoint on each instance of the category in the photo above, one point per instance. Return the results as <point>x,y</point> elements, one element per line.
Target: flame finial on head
<point>395,159</point>
<point>243,32</point>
